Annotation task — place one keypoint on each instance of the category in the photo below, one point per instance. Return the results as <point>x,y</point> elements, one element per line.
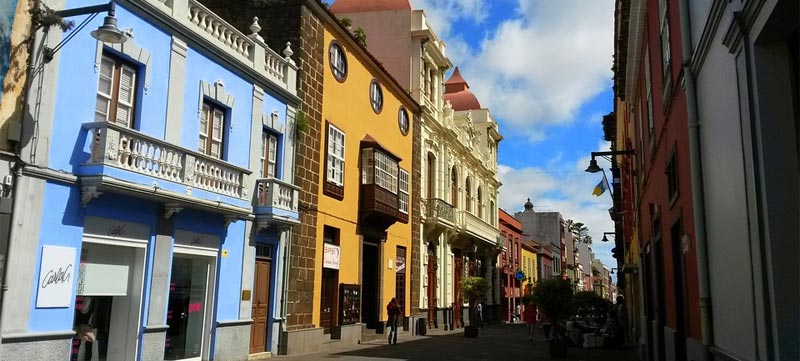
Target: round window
<point>376,96</point>
<point>403,121</point>
<point>338,61</point>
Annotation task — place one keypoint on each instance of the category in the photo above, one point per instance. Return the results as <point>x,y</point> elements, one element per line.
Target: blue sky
<point>543,68</point>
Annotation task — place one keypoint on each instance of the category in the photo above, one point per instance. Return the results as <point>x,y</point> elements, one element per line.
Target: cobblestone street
<point>496,342</point>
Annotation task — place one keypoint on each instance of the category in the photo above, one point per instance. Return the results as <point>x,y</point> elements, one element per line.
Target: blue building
<point>153,196</point>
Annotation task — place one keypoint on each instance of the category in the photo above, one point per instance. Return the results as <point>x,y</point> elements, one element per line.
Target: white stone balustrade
<point>249,50</point>
<point>275,193</point>
<point>219,29</point>
<point>128,149</point>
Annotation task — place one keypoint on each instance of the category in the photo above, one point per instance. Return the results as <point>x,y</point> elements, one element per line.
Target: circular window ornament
<point>403,121</point>
<point>376,96</point>
<point>338,61</point>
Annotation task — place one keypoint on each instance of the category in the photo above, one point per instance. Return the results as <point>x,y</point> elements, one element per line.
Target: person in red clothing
<point>529,316</point>
<point>393,310</point>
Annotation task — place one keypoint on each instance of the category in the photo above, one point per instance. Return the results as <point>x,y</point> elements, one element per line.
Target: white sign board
<point>55,277</point>
<point>331,257</point>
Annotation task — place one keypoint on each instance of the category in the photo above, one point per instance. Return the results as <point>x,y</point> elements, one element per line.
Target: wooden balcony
<point>379,207</point>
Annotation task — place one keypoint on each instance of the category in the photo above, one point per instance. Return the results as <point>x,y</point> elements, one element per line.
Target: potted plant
<point>473,289</point>
<point>554,297</point>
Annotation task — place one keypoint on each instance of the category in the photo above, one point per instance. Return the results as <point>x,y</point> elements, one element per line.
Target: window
<point>212,121</point>
<point>664,33</point>
<point>480,203</point>
<point>376,96</point>
<point>403,191</point>
<point>116,89</point>
<point>402,121</point>
<point>454,187</point>
<point>335,159</point>
<point>385,171</point>
<point>672,178</point>
<point>269,154</point>
<point>338,61</point>
<point>467,196</point>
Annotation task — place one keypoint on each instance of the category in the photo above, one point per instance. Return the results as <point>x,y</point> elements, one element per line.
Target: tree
<point>473,289</point>
<point>580,231</point>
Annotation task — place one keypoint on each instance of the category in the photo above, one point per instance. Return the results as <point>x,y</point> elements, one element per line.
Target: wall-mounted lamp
<point>605,234</point>
<point>594,168</point>
<point>107,33</point>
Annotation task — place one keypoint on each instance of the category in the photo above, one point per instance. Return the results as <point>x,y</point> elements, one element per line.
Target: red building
<point>509,263</point>
<point>653,189</point>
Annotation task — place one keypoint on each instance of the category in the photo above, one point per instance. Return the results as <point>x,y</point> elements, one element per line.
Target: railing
<point>275,193</point>
<point>479,227</point>
<point>246,49</point>
<point>441,209</point>
<point>130,150</point>
<point>219,29</point>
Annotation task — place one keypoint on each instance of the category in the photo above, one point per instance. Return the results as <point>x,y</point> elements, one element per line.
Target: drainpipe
<point>698,198</point>
<point>285,291</point>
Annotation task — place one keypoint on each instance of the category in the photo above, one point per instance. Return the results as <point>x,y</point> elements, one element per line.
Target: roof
<point>456,90</point>
<point>358,6</point>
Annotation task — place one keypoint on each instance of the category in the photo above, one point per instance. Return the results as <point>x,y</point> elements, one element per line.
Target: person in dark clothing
<point>393,310</point>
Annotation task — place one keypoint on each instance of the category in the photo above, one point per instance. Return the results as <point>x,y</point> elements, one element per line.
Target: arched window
<point>480,202</point>
<point>468,196</point>
<point>454,187</point>
<point>492,213</point>
<point>431,176</point>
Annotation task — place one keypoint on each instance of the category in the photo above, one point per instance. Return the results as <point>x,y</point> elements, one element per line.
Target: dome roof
<point>456,90</point>
<point>528,205</point>
<point>358,6</point>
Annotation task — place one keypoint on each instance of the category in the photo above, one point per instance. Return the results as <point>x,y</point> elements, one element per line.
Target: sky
<point>543,68</point>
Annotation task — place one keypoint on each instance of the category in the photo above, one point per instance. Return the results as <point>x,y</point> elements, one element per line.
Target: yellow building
<point>529,266</point>
<point>364,210</point>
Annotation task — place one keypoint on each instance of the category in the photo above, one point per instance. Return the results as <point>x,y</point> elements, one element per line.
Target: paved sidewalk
<point>499,342</point>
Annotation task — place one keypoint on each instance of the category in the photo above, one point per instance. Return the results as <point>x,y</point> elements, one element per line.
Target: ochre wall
<point>347,106</point>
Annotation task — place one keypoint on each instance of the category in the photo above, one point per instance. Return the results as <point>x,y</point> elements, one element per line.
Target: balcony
<point>470,227</point>
<point>128,161</point>
<point>380,208</point>
<point>439,212</point>
<point>276,203</point>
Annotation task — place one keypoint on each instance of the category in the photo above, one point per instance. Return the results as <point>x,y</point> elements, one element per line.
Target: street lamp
<point>605,234</point>
<point>594,168</point>
<point>107,33</point>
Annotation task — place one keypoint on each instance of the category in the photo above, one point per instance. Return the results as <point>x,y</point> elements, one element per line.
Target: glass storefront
<point>107,303</point>
<point>186,310</point>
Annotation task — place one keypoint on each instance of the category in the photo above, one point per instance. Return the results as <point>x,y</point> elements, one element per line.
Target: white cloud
<point>567,190</point>
<point>538,68</point>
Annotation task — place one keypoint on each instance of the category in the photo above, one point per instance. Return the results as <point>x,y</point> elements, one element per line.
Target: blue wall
<point>237,130</point>
<point>76,89</point>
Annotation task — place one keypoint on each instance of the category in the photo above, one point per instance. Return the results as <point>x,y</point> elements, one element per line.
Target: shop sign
<point>194,239</point>
<point>55,277</point>
<point>331,256</point>
<point>401,264</point>
<point>115,229</point>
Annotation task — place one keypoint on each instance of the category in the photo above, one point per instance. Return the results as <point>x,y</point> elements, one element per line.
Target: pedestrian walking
<point>519,312</point>
<point>393,310</point>
<point>546,325</point>
<point>529,316</point>
<point>479,309</point>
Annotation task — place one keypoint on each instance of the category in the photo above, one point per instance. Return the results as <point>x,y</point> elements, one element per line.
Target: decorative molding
<point>130,49</point>
<point>229,220</point>
<point>171,208</point>
<point>707,37</point>
<point>88,193</point>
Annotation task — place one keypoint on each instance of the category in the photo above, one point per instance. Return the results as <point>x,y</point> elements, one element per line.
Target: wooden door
<point>328,298</point>
<point>260,313</point>
<point>431,287</point>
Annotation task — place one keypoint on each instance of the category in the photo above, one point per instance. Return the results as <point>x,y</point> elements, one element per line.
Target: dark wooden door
<point>260,311</point>
<point>328,299</point>
<point>458,271</point>
<point>431,288</point>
